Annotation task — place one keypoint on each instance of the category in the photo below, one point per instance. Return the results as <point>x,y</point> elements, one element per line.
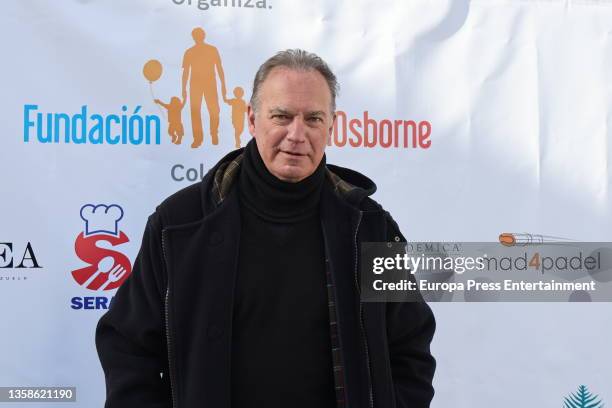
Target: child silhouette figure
<point>175,122</point>
<point>239,108</point>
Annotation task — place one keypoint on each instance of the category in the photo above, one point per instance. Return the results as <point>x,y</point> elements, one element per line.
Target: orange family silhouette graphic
<point>201,68</point>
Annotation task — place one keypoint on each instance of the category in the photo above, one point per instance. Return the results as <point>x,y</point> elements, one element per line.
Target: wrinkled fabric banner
<point>475,119</point>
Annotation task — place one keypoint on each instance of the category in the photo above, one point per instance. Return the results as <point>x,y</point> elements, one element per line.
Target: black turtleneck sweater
<point>281,346</point>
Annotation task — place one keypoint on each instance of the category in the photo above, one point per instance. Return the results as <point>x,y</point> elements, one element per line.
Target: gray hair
<point>298,60</point>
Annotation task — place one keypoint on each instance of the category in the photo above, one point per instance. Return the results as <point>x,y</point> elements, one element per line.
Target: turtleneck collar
<point>272,198</point>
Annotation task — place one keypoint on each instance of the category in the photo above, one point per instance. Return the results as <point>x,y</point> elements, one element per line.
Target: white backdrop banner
<point>474,118</point>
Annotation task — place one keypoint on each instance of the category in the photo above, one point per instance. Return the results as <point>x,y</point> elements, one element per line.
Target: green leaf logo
<point>582,399</point>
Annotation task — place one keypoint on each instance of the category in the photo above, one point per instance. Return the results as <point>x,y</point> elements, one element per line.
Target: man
<point>201,64</point>
<point>245,292</point>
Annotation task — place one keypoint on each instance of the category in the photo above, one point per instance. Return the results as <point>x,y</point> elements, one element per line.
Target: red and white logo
<point>107,268</point>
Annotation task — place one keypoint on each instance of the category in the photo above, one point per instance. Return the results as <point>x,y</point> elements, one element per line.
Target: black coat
<point>166,339</point>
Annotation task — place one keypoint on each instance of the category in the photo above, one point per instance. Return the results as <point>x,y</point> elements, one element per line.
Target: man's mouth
<point>293,153</point>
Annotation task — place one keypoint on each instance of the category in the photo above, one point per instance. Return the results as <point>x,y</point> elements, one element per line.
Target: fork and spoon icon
<point>107,265</point>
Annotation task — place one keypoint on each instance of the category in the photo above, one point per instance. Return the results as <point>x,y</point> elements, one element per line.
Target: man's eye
<point>280,117</point>
<point>315,119</point>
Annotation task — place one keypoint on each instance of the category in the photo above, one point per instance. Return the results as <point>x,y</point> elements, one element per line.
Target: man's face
<point>292,123</point>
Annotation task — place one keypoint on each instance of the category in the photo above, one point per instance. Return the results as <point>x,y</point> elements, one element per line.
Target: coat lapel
<point>374,319</point>
<point>339,221</point>
<point>202,258</point>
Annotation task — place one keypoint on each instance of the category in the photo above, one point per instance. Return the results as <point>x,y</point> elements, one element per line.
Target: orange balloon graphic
<point>152,70</point>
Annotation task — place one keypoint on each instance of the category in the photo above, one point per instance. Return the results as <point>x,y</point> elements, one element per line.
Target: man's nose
<point>297,130</point>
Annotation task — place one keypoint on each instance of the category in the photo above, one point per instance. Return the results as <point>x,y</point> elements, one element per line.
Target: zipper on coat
<point>363,333</point>
<point>167,315</point>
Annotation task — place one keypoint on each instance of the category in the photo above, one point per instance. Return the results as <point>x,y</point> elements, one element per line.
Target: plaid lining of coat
<point>222,181</point>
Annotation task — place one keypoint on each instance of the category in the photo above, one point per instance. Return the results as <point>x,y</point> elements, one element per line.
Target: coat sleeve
<point>410,329</point>
<point>130,337</point>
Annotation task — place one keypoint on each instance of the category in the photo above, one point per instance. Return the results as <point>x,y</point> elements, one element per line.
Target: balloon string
<point>153,97</point>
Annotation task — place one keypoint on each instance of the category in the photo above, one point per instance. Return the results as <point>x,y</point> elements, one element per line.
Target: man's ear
<point>251,119</point>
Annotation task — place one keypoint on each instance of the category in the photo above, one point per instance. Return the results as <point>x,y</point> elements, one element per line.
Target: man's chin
<point>291,173</point>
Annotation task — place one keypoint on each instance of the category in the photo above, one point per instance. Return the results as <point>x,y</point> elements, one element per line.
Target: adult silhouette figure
<point>199,64</point>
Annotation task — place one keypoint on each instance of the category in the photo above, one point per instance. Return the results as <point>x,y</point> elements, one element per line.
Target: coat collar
<point>350,186</point>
